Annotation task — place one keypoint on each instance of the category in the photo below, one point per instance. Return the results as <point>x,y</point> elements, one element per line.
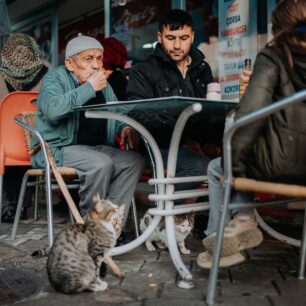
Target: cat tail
<point>145,222</point>
<point>40,253</point>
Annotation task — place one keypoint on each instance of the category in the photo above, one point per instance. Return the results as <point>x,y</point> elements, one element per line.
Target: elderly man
<point>80,142</point>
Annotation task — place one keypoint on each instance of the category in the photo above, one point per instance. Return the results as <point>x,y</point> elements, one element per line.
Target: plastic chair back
<point>13,148</point>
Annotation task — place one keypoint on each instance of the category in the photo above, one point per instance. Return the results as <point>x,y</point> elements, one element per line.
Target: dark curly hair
<point>176,19</point>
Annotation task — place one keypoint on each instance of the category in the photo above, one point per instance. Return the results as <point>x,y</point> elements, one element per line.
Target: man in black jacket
<point>175,68</point>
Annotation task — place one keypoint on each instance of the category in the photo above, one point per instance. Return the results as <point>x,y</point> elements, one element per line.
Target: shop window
<point>91,25</point>
<point>205,18</point>
<point>135,23</point>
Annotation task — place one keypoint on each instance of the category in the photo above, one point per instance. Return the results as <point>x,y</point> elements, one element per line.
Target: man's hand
<point>130,136</point>
<point>98,80</point>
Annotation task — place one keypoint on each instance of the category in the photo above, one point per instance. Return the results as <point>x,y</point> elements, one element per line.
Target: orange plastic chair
<point>12,141</point>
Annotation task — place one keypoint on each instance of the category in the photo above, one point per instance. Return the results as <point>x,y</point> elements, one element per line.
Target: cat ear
<point>192,215</point>
<point>96,198</point>
<point>98,203</point>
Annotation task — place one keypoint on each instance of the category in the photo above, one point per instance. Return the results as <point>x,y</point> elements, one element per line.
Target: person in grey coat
<point>82,143</point>
<point>273,148</point>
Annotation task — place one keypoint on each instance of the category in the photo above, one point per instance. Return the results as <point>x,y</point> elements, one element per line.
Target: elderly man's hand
<point>130,135</point>
<point>98,80</point>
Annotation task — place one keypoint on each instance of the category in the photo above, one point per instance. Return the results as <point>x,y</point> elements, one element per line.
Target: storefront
<point>227,31</point>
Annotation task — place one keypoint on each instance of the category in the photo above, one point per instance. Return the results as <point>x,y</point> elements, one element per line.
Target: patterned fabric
<point>20,61</point>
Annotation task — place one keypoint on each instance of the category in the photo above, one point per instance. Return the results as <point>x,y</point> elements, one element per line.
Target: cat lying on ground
<point>183,224</point>
<point>78,251</point>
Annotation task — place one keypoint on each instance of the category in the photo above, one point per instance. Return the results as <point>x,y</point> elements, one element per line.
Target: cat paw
<point>150,246</point>
<point>99,286</point>
<point>102,286</point>
<point>185,251</point>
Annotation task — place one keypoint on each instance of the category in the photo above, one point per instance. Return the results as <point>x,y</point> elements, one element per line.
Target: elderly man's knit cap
<point>81,43</point>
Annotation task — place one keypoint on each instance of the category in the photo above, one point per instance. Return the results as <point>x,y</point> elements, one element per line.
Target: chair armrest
<point>38,135</point>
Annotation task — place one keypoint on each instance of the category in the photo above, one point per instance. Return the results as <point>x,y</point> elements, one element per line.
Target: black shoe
<point>9,211</point>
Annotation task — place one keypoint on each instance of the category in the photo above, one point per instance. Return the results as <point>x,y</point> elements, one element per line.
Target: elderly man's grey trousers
<point>106,170</point>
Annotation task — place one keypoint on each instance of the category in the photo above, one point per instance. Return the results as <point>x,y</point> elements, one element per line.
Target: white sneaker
<point>204,260</point>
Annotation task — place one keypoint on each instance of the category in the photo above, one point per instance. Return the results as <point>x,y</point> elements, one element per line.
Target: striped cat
<point>77,253</point>
<point>183,225</point>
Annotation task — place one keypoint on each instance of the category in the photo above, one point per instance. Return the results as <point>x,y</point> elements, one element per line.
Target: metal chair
<point>245,184</point>
<point>27,121</point>
<point>12,143</point>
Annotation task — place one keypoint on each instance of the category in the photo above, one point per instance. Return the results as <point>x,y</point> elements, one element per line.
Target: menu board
<point>237,41</point>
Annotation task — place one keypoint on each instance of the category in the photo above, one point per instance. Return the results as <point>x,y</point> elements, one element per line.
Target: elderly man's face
<point>176,43</point>
<point>84,64</point>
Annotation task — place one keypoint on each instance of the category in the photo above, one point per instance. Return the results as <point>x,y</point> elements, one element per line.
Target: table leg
<point>185,275</point>
<point>159,174</point>
<point>185,280</point>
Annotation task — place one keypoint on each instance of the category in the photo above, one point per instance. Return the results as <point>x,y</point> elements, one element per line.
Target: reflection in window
<point>136,25</point>
<point>205,18</point>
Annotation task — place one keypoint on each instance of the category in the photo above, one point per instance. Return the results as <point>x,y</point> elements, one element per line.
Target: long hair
<point>288,29</point>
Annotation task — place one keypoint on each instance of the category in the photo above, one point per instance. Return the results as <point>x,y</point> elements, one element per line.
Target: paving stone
<point>142,284</point>
<point>256,270</point>
<point>140,252</point>
<point>248,289</point>
<point>173,302</point>
<point>203,274</point>
<point>160,271</point>
<point>104,298</point>
<point>242,301</point>
<point>197,293</point>
<point>292,293</point>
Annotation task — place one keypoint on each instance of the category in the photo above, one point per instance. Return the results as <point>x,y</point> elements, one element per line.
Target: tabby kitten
<point>183,224</point>
<point>77,253</point>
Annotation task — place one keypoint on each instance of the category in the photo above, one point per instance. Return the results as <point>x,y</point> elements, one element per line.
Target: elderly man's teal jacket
<point>56,119</point>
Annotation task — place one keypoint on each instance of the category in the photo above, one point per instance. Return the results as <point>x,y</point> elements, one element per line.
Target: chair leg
<point>135,217</point>
<point>36,198</point>
<point>301,272</point>
<point>1,195</point>
<point>213,275</point>
<point>49,205</point>
<point>19,205</point>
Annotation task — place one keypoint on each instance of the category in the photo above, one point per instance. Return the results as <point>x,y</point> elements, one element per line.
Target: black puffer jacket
<point>275,147</point>
<point>157,77</point>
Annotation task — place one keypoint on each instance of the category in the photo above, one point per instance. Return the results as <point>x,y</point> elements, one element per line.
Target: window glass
<point>91,25</point>
<point>205,18</point>
<point>136,25</point>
